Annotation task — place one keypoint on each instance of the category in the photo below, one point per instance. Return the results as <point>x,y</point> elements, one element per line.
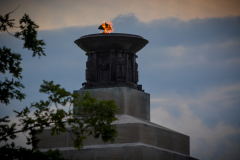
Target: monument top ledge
<point>112,41</point>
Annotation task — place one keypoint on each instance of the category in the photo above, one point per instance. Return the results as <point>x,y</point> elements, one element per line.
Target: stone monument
<point>112,74</point>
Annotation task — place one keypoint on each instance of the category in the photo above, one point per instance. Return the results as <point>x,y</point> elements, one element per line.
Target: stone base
<point>130,130</point>
<point>130,101</point>
<point>138,138</point>
<point>126,151</point>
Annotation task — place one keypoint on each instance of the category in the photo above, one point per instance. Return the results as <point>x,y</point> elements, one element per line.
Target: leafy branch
<point>28,32</point>
<point>10,152</point>
<point>10,61</point>
<point>92,117</point>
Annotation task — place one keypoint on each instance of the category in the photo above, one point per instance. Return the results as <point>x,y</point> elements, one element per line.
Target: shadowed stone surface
<point>131,101</point>
<point>117,41</point>
<point>126,151</point>
<point>130,130</point>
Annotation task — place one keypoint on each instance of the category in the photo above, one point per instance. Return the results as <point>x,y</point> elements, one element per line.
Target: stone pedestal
<point>138,137</point>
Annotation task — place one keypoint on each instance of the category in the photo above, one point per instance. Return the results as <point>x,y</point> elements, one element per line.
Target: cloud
<point>178,112</point>
<point>175,32</point>
<point>59,13</point>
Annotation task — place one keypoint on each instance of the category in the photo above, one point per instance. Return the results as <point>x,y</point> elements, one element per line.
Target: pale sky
<point>64,13</point>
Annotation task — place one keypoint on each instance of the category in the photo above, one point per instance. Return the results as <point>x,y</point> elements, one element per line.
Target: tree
<point>10,61</point>
<point>93,117</point>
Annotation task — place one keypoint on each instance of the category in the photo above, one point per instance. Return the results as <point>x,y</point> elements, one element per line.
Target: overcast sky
<point>191,66</point>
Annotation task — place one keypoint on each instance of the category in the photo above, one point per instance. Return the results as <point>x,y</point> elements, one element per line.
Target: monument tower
<point>112,74</point>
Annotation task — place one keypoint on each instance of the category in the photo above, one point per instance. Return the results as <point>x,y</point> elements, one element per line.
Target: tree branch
<point>14,10</point>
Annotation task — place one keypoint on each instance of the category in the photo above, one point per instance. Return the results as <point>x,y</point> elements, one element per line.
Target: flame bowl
<point>112,41</point>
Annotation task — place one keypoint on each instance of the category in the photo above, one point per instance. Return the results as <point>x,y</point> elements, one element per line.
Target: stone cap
<point>116,41</point>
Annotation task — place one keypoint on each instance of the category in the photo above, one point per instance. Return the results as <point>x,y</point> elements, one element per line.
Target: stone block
<point>131,101</point>
<point>48,141</point>
<point>126,151</point>
<point>130,130</point>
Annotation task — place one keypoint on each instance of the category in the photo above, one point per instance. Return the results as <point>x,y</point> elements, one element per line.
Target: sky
<point>191,66</point>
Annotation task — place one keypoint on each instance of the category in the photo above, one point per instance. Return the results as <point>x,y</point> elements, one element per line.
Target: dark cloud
<point>175,32</point>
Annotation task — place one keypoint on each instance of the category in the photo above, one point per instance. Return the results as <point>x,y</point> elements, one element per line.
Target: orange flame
<point>107,27</point>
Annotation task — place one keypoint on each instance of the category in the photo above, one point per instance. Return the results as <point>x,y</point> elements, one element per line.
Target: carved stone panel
<point>115,67</point>
<point>103,68</point>
<point>91,67</point>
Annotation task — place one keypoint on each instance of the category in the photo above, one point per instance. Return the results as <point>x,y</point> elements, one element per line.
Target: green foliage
<point>9,88</point>
<point>7,131</point>
<point>10,62</point>
<point>10,152</point>
<point>6,22</point>
<point>93,117</point>
<point>28,33</point>
<point>98,115</point>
